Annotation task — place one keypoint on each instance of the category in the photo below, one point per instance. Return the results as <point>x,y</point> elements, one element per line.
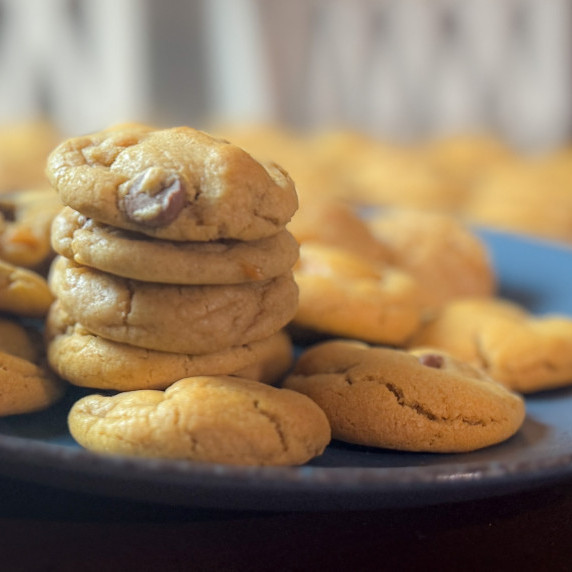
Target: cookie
<point>23,292</point>
<point>26,387</point>
<point>24,148</point>
<point>526,197</point>
<point>25,221</point>
<point>524,352</point>
<point>442,253</point>
<point>175,184</point>
<point>393,399</point>
<point>336,224</point>
<point>466,157</point>
<point>207,419</point>
<point>173,318</point>
<point>127,254</point>
<point>343,294</point>
<point>87,360</point>
<point>19,341</point>
<point>383,174</point>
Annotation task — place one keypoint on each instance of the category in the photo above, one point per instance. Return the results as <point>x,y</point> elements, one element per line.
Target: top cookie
<point>177,184</point>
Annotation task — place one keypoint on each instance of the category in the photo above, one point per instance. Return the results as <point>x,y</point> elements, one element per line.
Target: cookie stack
<point>173,260</point>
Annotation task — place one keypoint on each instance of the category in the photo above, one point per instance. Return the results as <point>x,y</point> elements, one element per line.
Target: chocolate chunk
<point>432,360</point>
<point>153,198</point>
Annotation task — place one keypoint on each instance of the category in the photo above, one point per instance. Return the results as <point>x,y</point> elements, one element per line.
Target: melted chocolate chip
<point>153,198</point>
<point>432,360</point>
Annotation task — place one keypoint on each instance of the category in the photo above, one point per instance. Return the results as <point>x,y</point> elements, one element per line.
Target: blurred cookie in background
<point>446,257</point>
<point>25,224</point>
<point>530,196</point>
<point>24,148</point>
<point>464,158</point>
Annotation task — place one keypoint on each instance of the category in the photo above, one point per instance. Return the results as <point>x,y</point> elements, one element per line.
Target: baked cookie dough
<point>173,318</point>
<point>88,360</point>
<point>25,220</point>
<point>389,398</point>
<point>24,148</point>
<point>176,184</point>
<point>529,197</point>
<point>211,419</point>
<point>127,254</point>
<point>26,387</point>
<point>524,352</point>
<point>337,224</point>
<point>23,292</point>
<point>343,294</point>
<point>19,341</point>
<point>444,255</point>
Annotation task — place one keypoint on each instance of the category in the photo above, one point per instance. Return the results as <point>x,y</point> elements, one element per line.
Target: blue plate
<point>38,447</point>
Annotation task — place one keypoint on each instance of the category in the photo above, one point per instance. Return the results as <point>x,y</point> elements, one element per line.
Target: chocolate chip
<point>153,198</point>
<point>432,360</point>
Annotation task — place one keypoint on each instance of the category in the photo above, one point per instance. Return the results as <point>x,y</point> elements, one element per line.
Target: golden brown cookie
<point>382,174</point>
<point>26,387</point>
<point>175,184</point>
<point>23,292</point>
<point>19,341</point>
<point>522,351</point>
<point>127,254</point>
<point>25,220</point>
<point>337,224</point>
<point>24,148</point>
<point>87,360</point>
<point>444,255</point>
<point>528,197</point>
<point>208,419</point>
<point>173,318</point>
<point>382,397</point>
<point>466,157</point>
<point>346,295</point>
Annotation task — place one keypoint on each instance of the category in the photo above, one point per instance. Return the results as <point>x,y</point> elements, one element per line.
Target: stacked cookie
<point>173,260</point>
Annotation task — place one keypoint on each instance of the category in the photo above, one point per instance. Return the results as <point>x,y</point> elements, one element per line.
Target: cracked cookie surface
<point>524,352</point>
<point>215,419</point>
<point>194,319</point>
<point>127,254</point>
<point>176,184</point>
<point>88,360</point>
<point>423,401</point>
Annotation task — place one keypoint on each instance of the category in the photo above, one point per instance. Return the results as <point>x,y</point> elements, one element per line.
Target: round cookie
<point>172,318</point>
<point>25,220</point>
<point>208,419</point>
<point>19,341</point>
<point>336,224</point>
<point>346,295</point>
<point>26,387</point>
<point>24,148</point>
<point>176,184</point>
<point>388,398</point>
<point>87,360</point>
<point>524,352</point>
<point>528,197</point>
<point>447,258</point>
<point>23,292</point>
<point>127,254</point>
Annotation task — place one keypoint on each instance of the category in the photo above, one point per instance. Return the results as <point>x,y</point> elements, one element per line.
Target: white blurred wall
<point>399,69</point>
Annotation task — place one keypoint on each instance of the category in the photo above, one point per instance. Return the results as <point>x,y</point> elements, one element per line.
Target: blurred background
<point>397,69</point>
<point>425,98</point>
